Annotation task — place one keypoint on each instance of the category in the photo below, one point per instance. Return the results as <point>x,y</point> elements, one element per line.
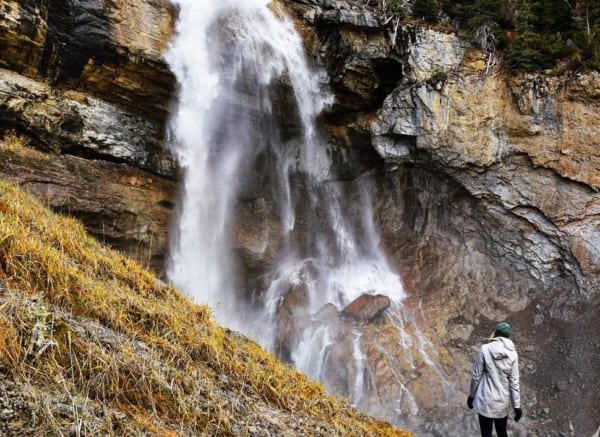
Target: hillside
<point>92,344</point>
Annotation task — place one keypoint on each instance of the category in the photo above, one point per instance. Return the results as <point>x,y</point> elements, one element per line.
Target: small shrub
<point>396,8</point>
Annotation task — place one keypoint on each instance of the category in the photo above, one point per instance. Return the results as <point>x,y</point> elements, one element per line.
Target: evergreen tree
<point>426,10</point>
<point>588,17</point>
<point>542,32</point>
<point>543,29</point>
<point>486,20</point>
<point>525,52</point>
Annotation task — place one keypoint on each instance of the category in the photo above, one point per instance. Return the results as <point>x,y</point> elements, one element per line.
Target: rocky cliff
<point>486,185</point>
<point>487,199</point>
<point>84,83</point>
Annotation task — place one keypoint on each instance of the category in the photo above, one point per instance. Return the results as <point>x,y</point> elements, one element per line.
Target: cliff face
<point>486,185</point>
<point>487,200</point>
<point>85,83</point>
<point>500,220</point>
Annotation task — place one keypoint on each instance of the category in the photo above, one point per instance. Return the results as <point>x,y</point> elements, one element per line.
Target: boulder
<point>367,307</point>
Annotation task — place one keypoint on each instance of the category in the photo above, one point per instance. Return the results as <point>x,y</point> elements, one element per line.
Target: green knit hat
<point>502,330</point>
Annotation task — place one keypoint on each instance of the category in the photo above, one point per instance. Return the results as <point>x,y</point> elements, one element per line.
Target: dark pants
<point>486,424</point>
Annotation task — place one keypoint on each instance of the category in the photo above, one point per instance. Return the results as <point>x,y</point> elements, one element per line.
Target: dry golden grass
<point>13,142</point>
<point>89,324</point>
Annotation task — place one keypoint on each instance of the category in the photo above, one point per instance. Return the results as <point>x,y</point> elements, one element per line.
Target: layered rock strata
<point>85,83</point>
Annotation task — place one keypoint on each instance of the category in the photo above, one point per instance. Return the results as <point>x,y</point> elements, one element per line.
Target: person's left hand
<point>518,414</point>
<point>470,402</point>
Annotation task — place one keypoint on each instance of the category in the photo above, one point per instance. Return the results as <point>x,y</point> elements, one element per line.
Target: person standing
<point>495,382</point>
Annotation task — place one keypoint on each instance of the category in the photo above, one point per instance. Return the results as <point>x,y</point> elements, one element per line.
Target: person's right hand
<point>518,414</point>
<point>470,402</point>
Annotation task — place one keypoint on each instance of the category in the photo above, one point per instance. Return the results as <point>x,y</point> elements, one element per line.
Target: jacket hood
<point>501,346</point>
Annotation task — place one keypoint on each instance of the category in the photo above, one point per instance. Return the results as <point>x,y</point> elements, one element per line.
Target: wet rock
<point>292,320</point>
<point>487,196</point>
<point>367,307</point>
<point>330,316</point>
<point>327,313</point>
<point>339,368</point>
<point>257,235</point>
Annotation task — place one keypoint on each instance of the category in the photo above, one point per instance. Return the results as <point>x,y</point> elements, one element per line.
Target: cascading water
<point>246,124</point>
<point>229,58</point>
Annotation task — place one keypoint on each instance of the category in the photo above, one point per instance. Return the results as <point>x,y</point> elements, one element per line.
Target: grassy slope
<point>87,330</point>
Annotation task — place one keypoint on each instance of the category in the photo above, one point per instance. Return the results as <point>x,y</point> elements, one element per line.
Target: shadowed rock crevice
<point>78,33</point>
<point>362,67</point>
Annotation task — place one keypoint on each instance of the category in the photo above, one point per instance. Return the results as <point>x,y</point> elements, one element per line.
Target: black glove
<point>518,414</point>
<point>470,403</point>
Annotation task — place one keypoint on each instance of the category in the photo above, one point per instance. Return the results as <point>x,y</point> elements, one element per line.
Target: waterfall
<point>245,128</point>
<point>229,57</point>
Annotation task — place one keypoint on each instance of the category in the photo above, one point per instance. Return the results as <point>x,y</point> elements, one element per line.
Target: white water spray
<point>225,63</point>
<point>239,67</point>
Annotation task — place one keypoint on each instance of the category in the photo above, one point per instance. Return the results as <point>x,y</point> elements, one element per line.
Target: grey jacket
<point>495,379</point>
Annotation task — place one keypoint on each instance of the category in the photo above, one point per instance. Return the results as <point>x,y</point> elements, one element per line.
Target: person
<point>495,382</point>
